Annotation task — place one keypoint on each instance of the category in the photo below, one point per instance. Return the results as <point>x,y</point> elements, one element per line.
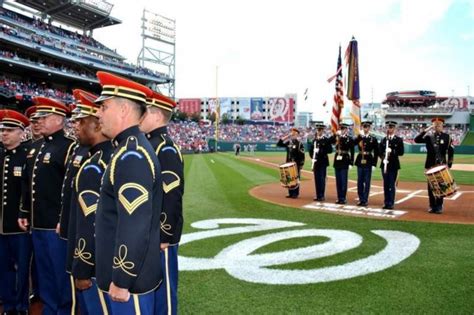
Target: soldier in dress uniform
<point>438,145</point>
<point>44,207</point>
<point>34,144</point>
<point>390,149</point>
<point>159,111</point>
<point>319,149</point>
<point>15,244</point>
<point>294,153</point>
<point>343,160</point>
<point>74,162</point>
<point>366,161</point>
<point>127,224</point>
<point>34,125</point>
<point>84,199</point>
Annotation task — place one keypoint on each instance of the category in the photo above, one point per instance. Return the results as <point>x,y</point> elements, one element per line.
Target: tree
<point>179,116</point>
<point>225,119</point>
<point>195,116</point>
<point>239,120</point>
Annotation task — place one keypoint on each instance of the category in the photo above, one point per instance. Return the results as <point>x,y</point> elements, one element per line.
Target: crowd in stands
<point>69,43</point>
<point>34,89</point>
<point>438,108</point>
<point>47,63</point>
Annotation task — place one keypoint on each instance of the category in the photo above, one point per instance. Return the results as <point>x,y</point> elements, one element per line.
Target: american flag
<point>338,96</point>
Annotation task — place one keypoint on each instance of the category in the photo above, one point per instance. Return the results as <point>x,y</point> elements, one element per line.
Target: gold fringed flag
<point>353,92</point>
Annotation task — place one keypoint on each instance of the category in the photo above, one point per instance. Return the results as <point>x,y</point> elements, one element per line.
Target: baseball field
<point>242,255</point>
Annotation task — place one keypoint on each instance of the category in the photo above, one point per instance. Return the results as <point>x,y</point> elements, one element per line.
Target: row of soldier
<point>100,213</point>
<point>388,150</point>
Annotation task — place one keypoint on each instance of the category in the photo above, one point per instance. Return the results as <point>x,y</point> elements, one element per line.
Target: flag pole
<point>216,122</point>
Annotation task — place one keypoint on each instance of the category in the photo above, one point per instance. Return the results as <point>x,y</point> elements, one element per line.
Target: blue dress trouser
<point>166,296</point>
<point>53,281</point>
<point>341,183</point>
<point>15,256</point>
<point>364,174</point>
<point>320,181</point>
<point>138,304</point>
<point>389,188</point>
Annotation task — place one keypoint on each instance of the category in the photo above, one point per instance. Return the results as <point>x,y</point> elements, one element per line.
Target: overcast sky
<point>275,47</point>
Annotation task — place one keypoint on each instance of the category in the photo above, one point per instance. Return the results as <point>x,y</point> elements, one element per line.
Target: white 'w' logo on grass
<point>239,263</point>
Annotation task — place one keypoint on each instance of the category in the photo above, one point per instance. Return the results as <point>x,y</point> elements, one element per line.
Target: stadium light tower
<point>158,47</point>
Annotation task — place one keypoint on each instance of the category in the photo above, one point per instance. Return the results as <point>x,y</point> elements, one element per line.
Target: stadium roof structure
<point>82,14</point>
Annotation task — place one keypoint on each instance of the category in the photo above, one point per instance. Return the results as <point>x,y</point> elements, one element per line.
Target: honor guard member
<point>45,206</point>
<point>438,146</point>
<point>390,149</point>
<point>366,160</point>
<point>84,199</point>
<point>294,153</point>
<point>15,244</point>
<point>127,224</point>
<point>34,125</point>
<point>319,149</point>
<point>74,162</point>
<point>343,158</point>
<point>159,111</point>
<point>36,140</point>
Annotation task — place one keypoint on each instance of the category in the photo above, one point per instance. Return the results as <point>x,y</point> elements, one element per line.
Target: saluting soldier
<point>84,199</point>
<point>45,206</point>
<point>159,111</point>
<point>366,161</point>
<point>127,225</point>
<point>438,145</point>
<point>390,149</point>
<point>15,243</point>
<point>294,153</point>
<point>319,149</point>
<point>343,159</point>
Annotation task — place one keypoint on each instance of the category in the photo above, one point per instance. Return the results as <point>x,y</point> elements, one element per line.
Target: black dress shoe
<point>315,199</point>
<point>320,199</point>
<point>388,207</point>
<point>362,204</point>
<point>288,196</point>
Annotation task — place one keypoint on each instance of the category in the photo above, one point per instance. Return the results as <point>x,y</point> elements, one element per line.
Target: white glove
<point>350,167</point>
<point>389,150</point>
<point>373,168</point>
<point>385,161</point>
<point>338,133</point>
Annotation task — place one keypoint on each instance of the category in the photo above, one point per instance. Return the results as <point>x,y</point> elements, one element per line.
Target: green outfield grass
<point>469,139</point>
<point>437,279</point>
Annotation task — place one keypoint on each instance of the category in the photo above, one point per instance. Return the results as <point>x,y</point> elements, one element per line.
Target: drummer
<point>438,145</point>
<point>294,153</point>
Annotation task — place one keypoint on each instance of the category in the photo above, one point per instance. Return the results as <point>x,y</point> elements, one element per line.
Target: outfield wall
<point>271,147</point>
